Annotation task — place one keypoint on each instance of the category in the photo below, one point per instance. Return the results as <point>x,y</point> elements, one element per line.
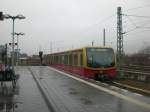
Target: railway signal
<point>1,16</point>
<point>41,56</point>
<point>14,44</point>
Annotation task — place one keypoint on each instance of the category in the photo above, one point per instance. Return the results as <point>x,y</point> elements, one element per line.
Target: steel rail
<point>135,72</point>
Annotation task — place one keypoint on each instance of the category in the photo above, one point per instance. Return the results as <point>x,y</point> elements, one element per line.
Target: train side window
<point>63,59</point>
<point>56,59</point>
<point>66,59</point>
<point>49,58</point>
<point>70,59</point>
<point>52,58</point>
<point>59,59</point>
<point>81,59</point>
<point>75,59</point>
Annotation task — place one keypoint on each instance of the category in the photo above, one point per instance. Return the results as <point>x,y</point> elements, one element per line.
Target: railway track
<point>136,68</point>
<point>137,75</point>
<point>131,87</point>
<point>117,85</point>
<point>136,72</point>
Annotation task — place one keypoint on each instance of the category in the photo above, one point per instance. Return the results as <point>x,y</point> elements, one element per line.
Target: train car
<point>91,62</point>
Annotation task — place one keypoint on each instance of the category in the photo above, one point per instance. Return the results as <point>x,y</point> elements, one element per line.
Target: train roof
<point>79,49</point>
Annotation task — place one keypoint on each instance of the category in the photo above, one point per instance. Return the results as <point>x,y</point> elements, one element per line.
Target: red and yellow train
<point>91,62</point>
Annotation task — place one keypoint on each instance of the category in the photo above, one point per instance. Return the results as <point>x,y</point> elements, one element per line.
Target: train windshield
<point>100,57</point>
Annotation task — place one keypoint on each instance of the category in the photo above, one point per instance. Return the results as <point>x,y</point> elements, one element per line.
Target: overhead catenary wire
<point>140,7</point>
<point>131,21</point>
<point>145,27</point>
<point>148,17</point>
<point>101,21</point>
<point>105,19</point>
<point>144,23</point>
<point>131,30</point>
<point>138,27</point>
<point>137,32</point>
<point>113,15</point>
<point>135,24</point>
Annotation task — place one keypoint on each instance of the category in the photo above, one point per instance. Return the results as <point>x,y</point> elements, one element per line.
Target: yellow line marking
<point>134,101</point>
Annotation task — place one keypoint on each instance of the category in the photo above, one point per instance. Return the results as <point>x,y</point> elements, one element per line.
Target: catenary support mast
<point>119,35</point>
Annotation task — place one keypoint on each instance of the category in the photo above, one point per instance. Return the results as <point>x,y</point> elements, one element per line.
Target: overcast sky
<point>74,23</point>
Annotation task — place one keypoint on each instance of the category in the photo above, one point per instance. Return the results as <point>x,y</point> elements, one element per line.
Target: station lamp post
<point>7,16</point>
<point>18,34</point>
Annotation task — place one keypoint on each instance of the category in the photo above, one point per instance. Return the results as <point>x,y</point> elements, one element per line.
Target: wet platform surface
<point>66,95</point>
<point>24,98</point>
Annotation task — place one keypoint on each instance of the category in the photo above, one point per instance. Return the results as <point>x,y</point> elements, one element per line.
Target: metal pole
<point>17,42</point>
<point>5,54</point>
<point>13,54</point>
<point>17,49</point>
<point>120,50</point>
<point>7,16</point>
<point>92,43</point>
<point>104,37</point>
<point>119,35</point>
<point>51,47</point>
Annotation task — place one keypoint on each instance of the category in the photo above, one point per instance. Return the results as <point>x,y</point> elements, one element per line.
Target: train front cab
<point>95,69</point>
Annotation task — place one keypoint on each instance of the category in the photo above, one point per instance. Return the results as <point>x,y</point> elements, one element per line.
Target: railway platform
<point>45,89</point>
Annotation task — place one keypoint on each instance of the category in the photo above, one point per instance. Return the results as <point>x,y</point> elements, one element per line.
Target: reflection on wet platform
<point>8,102</point>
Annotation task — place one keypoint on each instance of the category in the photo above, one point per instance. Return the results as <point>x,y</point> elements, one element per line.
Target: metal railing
<point>139,76</point>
